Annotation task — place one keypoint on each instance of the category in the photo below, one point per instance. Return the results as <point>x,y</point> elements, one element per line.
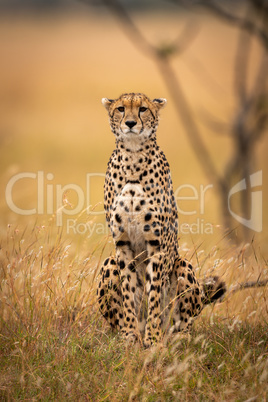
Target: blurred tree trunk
<point>250,121</point>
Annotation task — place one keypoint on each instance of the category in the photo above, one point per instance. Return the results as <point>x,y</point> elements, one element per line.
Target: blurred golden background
<point>56,65</point>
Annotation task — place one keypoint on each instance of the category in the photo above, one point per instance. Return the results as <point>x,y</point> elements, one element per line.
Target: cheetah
<point>146,287</point>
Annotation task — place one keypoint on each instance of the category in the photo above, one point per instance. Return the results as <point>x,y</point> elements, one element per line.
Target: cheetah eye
<point>143,109</point>
<point>121,109</point>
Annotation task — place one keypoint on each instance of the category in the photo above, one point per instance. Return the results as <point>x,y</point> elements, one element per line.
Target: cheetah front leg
<point>128,277</point>
<point>153,289</point>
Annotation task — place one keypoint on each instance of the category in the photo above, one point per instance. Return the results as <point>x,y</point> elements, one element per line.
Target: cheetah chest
<point>130,209</point>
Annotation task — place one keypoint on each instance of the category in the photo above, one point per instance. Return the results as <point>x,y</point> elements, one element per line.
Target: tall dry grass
<point>54,344</point>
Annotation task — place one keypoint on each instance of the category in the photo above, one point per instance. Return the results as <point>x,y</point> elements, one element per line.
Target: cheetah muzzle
<point>146,288</point>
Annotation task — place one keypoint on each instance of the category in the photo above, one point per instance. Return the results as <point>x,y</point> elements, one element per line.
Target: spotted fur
<point>146,287</point>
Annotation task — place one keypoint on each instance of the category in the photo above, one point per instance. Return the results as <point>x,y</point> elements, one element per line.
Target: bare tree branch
<point>184,110</point>
<point>242,23</point>
<point>245,285</point>
<point>241,64</point>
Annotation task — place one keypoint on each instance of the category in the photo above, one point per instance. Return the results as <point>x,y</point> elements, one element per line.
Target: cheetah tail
<point>213,289</point>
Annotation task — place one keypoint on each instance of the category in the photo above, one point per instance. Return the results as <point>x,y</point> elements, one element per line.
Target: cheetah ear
<point>106,103</point>
<point>159,102</point>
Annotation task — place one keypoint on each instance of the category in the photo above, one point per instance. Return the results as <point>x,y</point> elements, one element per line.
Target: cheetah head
<point>133,116</point>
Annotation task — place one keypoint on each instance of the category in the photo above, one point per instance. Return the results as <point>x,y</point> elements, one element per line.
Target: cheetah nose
<point>131,123</point>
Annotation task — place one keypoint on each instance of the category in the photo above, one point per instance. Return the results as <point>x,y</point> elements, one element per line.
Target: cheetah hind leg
<point>109,294</point>
<point>185,294</point>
